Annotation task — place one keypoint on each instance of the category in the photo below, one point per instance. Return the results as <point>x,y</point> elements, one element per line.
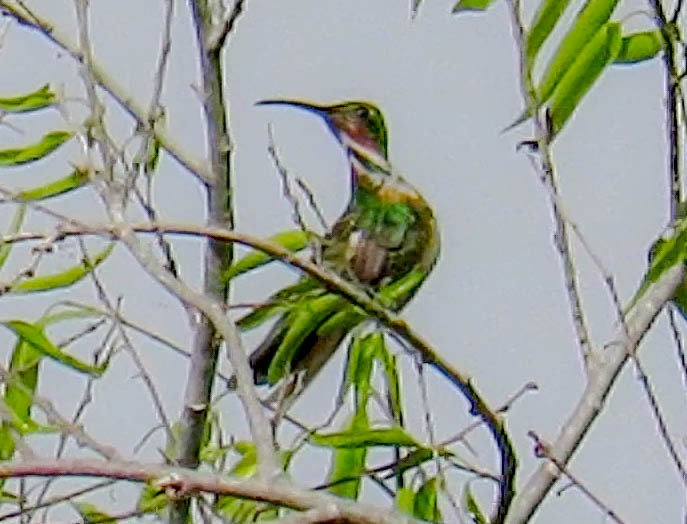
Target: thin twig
<point>542,450</point>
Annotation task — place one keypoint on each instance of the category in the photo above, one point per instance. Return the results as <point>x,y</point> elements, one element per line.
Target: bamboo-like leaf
<point>349,463</point>
<point>14,228</point>
<point>293,240</point>
<point>21,386</point>
<point>23,155</point>
<point>61,279</point>
<point>598,54</point>
<point>390,364</point>
<point>426,505</point>
<point>260,315</point>
<point>589,21</point>
<point>152,500</point>
<point>547,16</point>
<point>360,363</point>
<point>665,253</point>
<point>471,5</point>
<point>639,47</point>
<point>471,507</point>
<point>34,335</point>
<point>75,180</point>
<point>395,436</point>
<point>303,321</point>
<point>405,500</point>
<point>39,99</point>
<point>91,514</point>
<point>400,290</point>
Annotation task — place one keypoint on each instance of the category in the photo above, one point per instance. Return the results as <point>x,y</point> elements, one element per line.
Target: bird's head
<point>358,126</point>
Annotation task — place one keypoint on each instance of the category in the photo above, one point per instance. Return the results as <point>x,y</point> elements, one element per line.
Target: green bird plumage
<point>386,241</point>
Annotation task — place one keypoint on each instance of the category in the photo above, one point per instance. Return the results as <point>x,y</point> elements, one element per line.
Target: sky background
<point>495,304</point>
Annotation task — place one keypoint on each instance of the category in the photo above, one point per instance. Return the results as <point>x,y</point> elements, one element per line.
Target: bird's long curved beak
<point>321,111</point>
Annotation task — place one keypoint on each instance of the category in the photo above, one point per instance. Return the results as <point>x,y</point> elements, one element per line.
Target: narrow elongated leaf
<point>349,463</point>
<point>35,336</point>
<point>405,500</point>
<point>426,505</point>
<point>400,290</point>
<point>61,279</point>
<point>21,387</point>
<point>589,21</point>
<point>294,241</point>
<point>303,321</point>
<point>372,437</point>
<point>390,364</point>
<point>472,508</point>
<point>91,514</point>
<point>471,5</point>
<point>14,228</point>
<point>359,371</point>
<point>39,99</point>
<point>75,180</point>
<point>547,16</point>
<point>639,47</point>
<point>598,54</point>
<point>23,155</point>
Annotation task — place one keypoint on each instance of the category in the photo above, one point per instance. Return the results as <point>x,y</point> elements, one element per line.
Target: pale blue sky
<point>495,305</point>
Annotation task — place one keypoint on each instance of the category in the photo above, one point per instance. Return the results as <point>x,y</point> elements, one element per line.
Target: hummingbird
<point>386,241</point>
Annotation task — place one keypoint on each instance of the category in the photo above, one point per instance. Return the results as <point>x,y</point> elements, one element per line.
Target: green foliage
<point>348,463</point>
<point>39,99</point>
<point>31,153</point>
<point>593,16</point>
<point>472,508</point>
<point>34,335</point>
<point>293,240</point>
<point>91,514</point>
<point>471,5</point>
<point>395,436</point>
<point>61,279</point>
<point>13,229</point>
<point>583,72</point>
<point>639,47</point>
<point>76,179</point>
<point>302,322</point>
<point>421,504</point>
<point>547,16</point>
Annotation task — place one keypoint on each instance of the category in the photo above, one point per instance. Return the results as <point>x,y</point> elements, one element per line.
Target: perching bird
<point>386,241</point>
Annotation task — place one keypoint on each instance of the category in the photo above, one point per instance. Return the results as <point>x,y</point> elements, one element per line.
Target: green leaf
<point>349,463</point>
<point>405,500</point>
<point>472,508</point>
<point>75,180</point>
<point>360,363</point>
<point>593,59</point>
<point>426,506</point>
<point>639,47</point>
<point>402,289</point>
<point>293,241</point>
<point>471,5</point>
<point>21,386</point>
<point>547,16</point>
<point>395,436</point>
<point>301,322</point>
<point>247,466</point>
<point>33,152</point>
<point>390,364</point>
<point>152,500</point>
<point>591,18</point>
<point>665,253</point>
<point>61,279</point>
<point>39,99</point>
<point>92,515</point>
<point>35,336</point>
<point>14,228</point>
